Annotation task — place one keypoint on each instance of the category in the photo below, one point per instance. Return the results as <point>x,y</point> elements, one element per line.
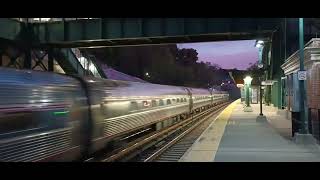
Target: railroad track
<point>166,145</point>
<point>173,150</point>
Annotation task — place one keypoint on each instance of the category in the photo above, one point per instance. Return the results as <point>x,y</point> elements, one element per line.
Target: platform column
<point>303,137</point>
<point>303,108</point>
<point>247,84</point>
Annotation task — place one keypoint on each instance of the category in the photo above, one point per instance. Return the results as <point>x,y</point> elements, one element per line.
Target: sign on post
<point>302,75</point>
<point>267,83</point>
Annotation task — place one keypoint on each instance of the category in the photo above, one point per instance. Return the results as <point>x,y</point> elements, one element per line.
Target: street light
<point>147,75</point>
<point>260,45</point>
<point>260,42</point>
<point>247,82</point>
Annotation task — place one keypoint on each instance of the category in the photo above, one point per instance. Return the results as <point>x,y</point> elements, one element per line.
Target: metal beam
<point>50,60</point>
<point>158,40</point>
<point>65,30</point>
<point>27,59</point>
<point>1,54</point>
<point>9,28</point>
<point>103,28</point>
<point>114,28</point>
<point>12,62</point>
<point>39,60</point>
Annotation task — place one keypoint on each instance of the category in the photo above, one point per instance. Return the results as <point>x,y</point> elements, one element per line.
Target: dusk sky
<point>227,54</point>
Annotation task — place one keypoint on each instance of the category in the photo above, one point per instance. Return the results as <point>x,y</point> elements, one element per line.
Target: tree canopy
<point>163,65</point>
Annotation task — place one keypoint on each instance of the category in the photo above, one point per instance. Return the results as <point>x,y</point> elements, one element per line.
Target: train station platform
<point>236,136</point>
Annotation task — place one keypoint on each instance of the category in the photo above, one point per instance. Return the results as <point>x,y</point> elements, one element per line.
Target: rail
<point>174,141</point>
<point>138,145</point>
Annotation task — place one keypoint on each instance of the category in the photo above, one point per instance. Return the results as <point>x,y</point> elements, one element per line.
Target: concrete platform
<point>236,136</point>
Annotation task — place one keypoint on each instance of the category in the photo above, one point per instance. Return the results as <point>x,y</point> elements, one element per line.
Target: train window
<point>133,106</point>
<point>168,101</point>
<point>178,100</point>
<point>181,99</point>
<point>161,103</point>
<point>154,103</point>
<point>185,99</point>
<point>17,122</point>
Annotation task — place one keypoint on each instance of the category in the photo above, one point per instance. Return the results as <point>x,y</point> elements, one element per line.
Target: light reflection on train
<point>52,117</point>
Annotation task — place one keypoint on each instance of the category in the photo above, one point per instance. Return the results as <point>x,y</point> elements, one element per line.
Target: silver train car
<point>52,117</point>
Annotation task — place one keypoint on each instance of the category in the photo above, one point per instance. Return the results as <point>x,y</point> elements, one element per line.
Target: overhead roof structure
<point>104,32</point>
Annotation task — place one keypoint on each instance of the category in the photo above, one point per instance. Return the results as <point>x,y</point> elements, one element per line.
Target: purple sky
<point>227,54</point>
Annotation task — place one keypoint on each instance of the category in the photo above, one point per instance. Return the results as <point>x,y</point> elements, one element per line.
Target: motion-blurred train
<point>53,117</point>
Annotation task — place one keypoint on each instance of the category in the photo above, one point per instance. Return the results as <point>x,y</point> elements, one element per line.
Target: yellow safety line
<point>206,146</point>
<point>220,124</point>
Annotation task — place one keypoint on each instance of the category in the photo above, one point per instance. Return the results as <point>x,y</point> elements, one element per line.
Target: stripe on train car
<point>60,113</point>
<point>32,108</point>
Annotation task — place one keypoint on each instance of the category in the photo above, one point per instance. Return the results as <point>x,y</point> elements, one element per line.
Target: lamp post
<point>260,93</point>
<point>247,83</point>
<point>260,45</point>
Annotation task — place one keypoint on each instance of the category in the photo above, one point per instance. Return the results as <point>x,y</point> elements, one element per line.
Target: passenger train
<point>54,117</point>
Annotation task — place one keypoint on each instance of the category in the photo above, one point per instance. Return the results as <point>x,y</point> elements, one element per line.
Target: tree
<point>255,72</point>
<point>165,64</point>
<point>187,57</point>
